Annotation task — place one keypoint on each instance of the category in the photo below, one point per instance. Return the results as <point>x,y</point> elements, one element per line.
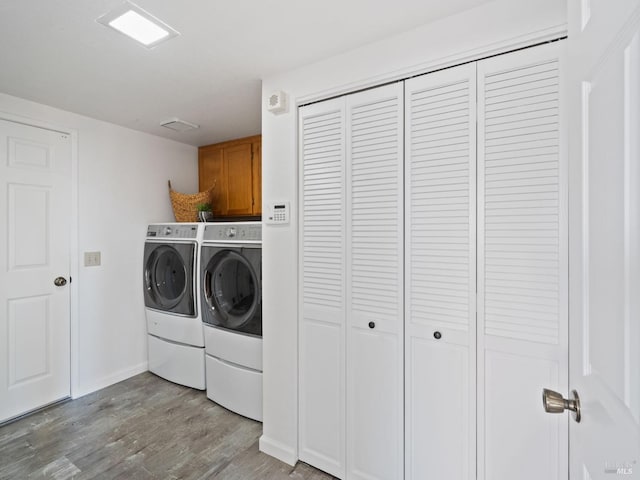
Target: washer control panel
<point>172,231</point>
<point>233,232</point>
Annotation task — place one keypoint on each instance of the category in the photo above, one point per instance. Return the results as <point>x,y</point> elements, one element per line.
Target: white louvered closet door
<point>323,286</point>
<point>522,265</point>
<point>374,139</point>
<point>440,333</point>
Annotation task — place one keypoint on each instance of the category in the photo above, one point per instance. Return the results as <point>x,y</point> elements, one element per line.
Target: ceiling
<point>54,52</point>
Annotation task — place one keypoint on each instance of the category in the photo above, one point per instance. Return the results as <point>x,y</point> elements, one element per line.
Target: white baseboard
<point>115,377</point>
<point>278,450</point>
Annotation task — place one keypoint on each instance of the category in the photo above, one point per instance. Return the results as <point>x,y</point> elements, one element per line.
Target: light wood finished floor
<point>142,428</point>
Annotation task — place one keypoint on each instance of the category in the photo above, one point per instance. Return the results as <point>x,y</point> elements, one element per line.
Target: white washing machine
<point>231,298</point>
<point>174,324</point>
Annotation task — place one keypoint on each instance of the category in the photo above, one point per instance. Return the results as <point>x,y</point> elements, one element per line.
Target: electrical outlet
<point>91,259</point>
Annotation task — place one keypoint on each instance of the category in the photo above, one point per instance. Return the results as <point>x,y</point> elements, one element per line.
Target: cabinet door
<point>239,179</point>
<point>440,275</point>
<point>374,180</point>
<point>211,171</point>
<point>522,265</point>
<point>256,170</point>
<point>322,291</point>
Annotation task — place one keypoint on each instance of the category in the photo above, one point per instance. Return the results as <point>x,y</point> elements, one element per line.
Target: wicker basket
<point>185,205</point>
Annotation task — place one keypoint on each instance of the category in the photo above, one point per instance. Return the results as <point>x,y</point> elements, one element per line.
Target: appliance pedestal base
<point>236,388</point>
<point>182,364</point>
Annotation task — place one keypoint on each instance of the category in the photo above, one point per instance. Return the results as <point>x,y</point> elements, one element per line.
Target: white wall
<point>492,28</point>
<point>122,186</point>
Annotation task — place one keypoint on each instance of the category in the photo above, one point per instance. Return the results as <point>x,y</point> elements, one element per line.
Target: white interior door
<point>522,265</point>
<point>440,274</point>
<point>375,293</point>
<point>605,237</point>
<point>35,171</point>
<point>351,323</point>
<point>321,381</point>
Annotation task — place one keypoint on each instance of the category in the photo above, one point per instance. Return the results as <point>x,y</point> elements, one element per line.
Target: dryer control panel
<point>233,232</point>
<point>174,230</point>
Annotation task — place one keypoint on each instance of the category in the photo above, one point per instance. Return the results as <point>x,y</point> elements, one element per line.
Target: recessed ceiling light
<point>138,24</point>
<point>178,125</point>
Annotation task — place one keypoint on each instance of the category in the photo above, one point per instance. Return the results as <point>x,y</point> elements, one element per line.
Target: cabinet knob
<point>372,325</point>
<point>437,335</point>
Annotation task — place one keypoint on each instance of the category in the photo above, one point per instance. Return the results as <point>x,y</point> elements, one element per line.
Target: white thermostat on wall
<point>278,213</point>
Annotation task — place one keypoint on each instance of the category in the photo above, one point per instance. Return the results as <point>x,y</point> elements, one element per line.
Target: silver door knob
<point>553,402</point>
<point>60,282</point>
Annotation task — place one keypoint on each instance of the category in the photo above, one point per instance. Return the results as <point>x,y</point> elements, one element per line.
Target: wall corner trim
<point>279,450</point>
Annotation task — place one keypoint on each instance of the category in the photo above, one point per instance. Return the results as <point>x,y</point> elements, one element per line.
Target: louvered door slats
<point>374,189</point>
<point>522,134</point>
<point>322,174</point>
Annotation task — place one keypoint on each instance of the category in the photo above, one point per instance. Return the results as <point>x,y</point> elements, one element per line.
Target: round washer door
<point>166,277</point>
<point>231,289</point>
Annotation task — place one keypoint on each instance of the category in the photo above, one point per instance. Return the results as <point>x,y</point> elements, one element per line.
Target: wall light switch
<point>91,259</point>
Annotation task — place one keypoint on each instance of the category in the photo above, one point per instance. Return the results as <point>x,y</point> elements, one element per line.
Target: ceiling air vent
<point>178,125</point>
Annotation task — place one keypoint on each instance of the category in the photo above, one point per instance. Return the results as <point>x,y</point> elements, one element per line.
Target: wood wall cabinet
<point>236,169</point>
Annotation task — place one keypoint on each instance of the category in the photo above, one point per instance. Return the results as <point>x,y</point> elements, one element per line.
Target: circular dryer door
<point>231,289</point>
<point>166,277</point>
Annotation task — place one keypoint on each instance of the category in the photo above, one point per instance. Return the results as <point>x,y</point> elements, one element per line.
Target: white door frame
<point>73,238</point>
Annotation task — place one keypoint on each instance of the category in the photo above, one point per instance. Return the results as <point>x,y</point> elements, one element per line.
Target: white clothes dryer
<point>231,298</point>
<point>175,335</point>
